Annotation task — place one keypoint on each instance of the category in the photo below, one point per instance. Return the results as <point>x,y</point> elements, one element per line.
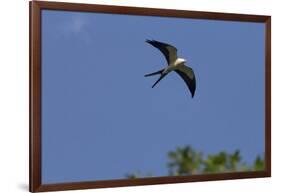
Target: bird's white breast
<point>178,62</point>
<point>175,65</point>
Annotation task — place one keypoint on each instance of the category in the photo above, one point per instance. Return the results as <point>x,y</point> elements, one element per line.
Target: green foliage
<point>187,161</point>
<point>184,161</point>
<point>137,175</point>
<point>222,162</point>
<point>132,175</point>
<point>259,164</point>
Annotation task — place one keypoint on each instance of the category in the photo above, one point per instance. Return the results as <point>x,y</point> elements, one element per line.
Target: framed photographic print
<point>123,96</point>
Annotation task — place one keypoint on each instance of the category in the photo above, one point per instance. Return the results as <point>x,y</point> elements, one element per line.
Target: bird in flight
<point>174,64</point>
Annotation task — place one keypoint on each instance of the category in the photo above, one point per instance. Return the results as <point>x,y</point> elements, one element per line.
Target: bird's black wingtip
<point>148,41</point>
<point>192,95</point>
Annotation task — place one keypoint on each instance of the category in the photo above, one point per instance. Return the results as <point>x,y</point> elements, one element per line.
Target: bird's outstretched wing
<point>188,76</point>
<point>169,51</point>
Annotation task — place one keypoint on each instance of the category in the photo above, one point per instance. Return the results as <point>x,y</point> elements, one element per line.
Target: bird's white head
<point>182,60</point>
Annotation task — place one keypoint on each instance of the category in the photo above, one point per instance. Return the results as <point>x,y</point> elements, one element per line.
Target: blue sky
<point>100,117</point>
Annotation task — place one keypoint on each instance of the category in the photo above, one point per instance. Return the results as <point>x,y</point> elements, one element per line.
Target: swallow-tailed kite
<point>174,64</point>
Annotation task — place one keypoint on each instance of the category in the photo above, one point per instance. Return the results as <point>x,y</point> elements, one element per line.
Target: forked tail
<point>154,73</point>
<point>160,78</point>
